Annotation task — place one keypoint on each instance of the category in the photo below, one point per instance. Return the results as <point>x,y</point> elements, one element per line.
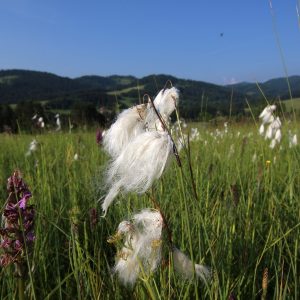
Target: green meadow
<point>233,205</point>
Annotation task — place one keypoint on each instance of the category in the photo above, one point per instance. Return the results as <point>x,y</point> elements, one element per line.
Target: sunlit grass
<point>246,217</point>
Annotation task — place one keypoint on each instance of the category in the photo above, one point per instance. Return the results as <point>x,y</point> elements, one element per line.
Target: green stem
<point>21,288</point>
<point>20,279</point>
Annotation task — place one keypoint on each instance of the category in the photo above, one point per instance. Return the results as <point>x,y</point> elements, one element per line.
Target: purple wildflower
<point>99,137</point>
<point>23,201</point>
<point>18,222</point>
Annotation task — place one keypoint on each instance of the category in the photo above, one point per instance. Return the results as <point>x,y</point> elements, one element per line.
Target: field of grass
<point>242,220</point>
<point>290,104</point>
<point>126,90</point>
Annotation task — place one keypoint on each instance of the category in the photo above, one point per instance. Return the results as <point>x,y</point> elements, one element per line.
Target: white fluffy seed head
<point>185,267</point>
<point>278,135</point>
<point>267,114</point>
<point>269,132</point>
<point>142,246</point>
<point>261,129</point>
<point>273,144</point>
<point>166,101</point>
<point>140,163</point>
<point>293,141</point>
<point>33,146</point>
<point>276,123</point>
<point>268,110</point>
<point>128,125</point>
<point>142,250</point>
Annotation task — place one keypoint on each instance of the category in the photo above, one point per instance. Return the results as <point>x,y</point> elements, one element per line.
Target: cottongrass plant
<point>58,122</point>
<point>140,146</point>
<point>139,157</point>
<point>273,131</point>
<point>33,146</point>
<point>141,249</point>
<point>293,141</point>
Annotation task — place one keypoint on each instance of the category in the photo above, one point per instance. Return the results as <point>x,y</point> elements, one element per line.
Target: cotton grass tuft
<point>142,250</point>
<point>140,146</point>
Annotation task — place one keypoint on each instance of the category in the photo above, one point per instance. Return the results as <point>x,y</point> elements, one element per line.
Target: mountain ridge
<point>197,97</point>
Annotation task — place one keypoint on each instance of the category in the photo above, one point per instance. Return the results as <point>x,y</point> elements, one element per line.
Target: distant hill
<point>61,92</point>
<point>273,89</point>
<point>106,83</point>
<point>20,85</point>
<point>197,97</point>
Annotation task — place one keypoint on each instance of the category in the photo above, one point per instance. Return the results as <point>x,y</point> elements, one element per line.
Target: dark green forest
<point>95,100</point>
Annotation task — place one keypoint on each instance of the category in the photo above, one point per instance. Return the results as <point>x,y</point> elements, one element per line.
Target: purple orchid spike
<point>22,203</point>
<point>18,222</point>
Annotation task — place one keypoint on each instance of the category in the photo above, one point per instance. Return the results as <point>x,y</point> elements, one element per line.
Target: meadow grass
<point>242,219</point>
<point>290,104</point>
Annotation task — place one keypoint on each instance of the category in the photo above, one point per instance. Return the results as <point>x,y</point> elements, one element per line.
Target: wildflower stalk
<point>276,33</point>
<point>188,153</point>
<point>21,288</point>
<point>165,222</point>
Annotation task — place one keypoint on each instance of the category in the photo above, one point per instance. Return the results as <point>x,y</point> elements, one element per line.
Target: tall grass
<point>246,218</point>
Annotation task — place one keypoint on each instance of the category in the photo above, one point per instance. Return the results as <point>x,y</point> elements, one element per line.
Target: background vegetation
<point>244,221</point>
<point>95,100</point>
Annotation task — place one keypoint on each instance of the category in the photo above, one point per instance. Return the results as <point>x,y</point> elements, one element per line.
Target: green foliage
<point>245,218</point>
<point>198,100</point>
<point>25,111</point>
<point>7,118</point>
<point>86,113</point>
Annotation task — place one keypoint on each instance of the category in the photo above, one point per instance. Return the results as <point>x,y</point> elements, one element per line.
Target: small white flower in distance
<point>273,144</point>
<point>32,147</point>
<point>269,132</point>
<point>226,127</point>
<point>195,135</point>
<point>58,123</point>
<point>273,128</point>
<point>276,124</point>
<point>278,135</point>
<point>76,156</point>
<point>261,129</point>
<point>293,141</point>
<point>266,114</point>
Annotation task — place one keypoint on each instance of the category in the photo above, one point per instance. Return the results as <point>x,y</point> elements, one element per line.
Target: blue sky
<point>138,37</point>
